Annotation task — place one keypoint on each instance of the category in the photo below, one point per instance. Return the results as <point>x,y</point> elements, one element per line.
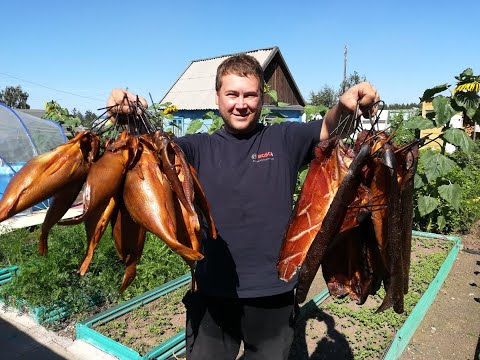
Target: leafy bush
<point>459,216</point>
<point>53,280</point>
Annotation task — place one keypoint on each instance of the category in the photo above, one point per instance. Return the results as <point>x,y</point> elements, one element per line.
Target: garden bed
<point>150,325</point>
<point>327,328</point>
<point>49,287</point>
<point>338,328</point>
<point>143,327</point>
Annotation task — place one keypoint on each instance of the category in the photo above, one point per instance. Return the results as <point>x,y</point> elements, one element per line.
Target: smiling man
<point>239,99</point>
<point>248,172</point>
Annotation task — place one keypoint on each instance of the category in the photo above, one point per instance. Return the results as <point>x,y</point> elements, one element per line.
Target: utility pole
<point>344,69</point>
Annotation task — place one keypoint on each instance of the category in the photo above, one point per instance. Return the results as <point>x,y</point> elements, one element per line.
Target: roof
<point>195,89</point>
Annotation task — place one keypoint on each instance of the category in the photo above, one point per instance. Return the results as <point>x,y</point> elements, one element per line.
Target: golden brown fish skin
<point>321,183</point>
<point>187,235</point>
<point>184,174</point>
<point>176,168</point>
<point>95,225</point>
<point>106,176</point>
<point>185,177</point>
<point>46,174</point>
<point>149,200</point>
<point>62,201</point>
<point>202,203</point>
<point>129,240</point>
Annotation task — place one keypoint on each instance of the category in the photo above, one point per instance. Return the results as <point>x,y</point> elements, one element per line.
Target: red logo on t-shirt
<point>268,155</point>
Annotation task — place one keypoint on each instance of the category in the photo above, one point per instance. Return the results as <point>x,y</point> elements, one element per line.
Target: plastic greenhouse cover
<point>23,136</point>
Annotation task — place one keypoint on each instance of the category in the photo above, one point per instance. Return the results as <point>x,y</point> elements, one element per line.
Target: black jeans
<point>216,326</point>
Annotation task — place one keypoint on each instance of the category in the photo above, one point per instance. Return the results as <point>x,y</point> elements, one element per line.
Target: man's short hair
<point>241,65</point>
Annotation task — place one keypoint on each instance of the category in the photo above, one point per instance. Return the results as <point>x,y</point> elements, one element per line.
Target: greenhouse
<point>22,137</point>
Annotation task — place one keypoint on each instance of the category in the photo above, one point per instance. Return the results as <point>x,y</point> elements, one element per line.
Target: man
<point>248,172</point>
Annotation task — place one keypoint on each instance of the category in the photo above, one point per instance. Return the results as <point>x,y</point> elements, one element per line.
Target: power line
<point>46,87</point>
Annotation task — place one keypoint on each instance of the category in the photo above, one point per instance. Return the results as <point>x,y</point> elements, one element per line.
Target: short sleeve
<point>189,145</point>
<point>300,139</point>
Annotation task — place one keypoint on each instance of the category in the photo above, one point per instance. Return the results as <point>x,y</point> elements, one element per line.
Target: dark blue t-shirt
<point>249,182</point>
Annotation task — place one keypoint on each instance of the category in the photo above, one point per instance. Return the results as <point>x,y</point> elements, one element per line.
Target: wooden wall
<point>276,76</point>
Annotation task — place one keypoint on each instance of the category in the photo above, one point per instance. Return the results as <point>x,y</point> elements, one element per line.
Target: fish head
<point>89,144</point>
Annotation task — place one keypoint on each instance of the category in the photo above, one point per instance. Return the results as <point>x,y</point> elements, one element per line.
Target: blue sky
<point>75,52</point>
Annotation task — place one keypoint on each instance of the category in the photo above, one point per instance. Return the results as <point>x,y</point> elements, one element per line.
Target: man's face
<point>239,102</point>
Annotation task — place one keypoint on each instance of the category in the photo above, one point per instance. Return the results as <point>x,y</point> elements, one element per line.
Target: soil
<point>451,327</point>
<point>341,329</point>
<point>149,325</point>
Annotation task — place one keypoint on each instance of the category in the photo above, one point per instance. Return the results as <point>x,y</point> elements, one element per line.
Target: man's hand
<point>363,94</point>
<point>122,101</point>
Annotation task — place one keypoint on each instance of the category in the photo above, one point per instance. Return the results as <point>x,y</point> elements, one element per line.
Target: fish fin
<point>188,253</point>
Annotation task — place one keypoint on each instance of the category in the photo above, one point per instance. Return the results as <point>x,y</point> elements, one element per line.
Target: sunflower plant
<point>437,196</point>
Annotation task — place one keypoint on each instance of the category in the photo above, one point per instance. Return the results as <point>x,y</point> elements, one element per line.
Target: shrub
<point>456,220</point>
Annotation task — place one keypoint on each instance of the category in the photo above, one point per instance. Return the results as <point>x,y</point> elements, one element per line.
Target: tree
<point>352,79</point>
<point>77,114</point>
<point>327,96</point>
<point>14,97</point>
<point>402,106</point>
<point>89,118</point>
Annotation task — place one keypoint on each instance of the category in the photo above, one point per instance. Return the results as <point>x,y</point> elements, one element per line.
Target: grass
<point>52,281</point>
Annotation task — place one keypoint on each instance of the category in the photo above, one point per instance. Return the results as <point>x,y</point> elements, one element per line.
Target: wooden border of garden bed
<point>176,344</point>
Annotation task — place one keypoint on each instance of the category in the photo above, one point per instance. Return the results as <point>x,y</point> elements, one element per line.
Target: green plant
<point>458,215</point>
<point>433,188</point>
<point>312,110</point>
<point>52,281</point>
<point>55,112</point>
<point>269,116</point>
<point>162,116</point>
<point>402,134</point>
<point>197,124</point>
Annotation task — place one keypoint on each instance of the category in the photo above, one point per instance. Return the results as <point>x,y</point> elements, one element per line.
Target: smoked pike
<point>106,176</point>
<point>62,201</point>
